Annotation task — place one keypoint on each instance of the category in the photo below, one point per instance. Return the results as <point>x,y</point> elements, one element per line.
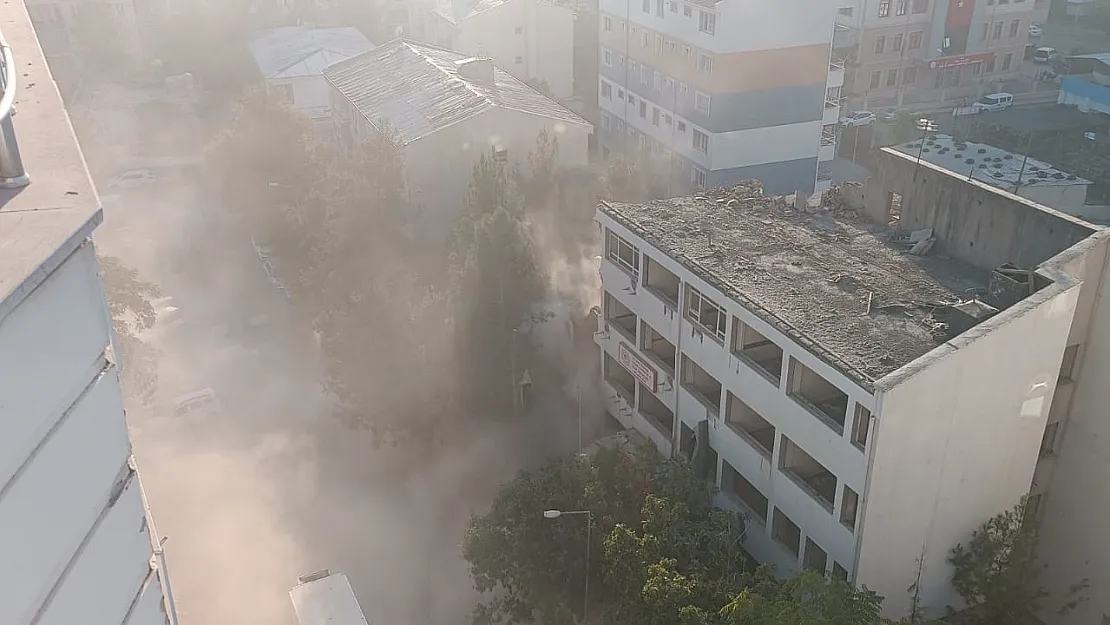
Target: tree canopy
<point>129,302</point>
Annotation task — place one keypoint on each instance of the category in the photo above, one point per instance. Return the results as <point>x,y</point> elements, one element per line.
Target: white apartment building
<point>867,409</point>
<point>531,39</point>
<point>719,92</point>
<point>76,541</point>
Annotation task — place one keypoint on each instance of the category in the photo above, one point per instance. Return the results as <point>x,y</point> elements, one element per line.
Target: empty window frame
<point>619,316</point>
<point>1048,440</point>
<point>814,558</point>
<point>660,281</point>
<point>822,398</point>
<point>756,350</point>
<point>743,491</point>
<point>808,473</point>
<point>1067,365</point>
<point>704,387</point>
<point>861,425</point>
<point>849,507</point>
<point>839,572</point>
<point>750,425</point>
<point>701,141</point>
<point>706,314</point>
<point>656,347</point>
<point>623,382</point>
<point>623,254</point>
<point>701,103</point>
<point>786,532</point>
<point>656,412</point>
<point>705,63</point>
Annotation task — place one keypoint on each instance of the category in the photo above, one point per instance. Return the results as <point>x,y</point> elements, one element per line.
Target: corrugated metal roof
<point>295,51</point>
<point>416,89</point>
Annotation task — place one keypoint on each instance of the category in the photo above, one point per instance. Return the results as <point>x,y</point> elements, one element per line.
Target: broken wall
<point>973,222</point>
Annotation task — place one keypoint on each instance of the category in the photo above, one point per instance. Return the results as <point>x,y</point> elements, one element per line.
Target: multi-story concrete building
<point>901,52</point>
<point>76,540</point>
<point>867,396</point>
<point>531,39</point>
<point>718,92</point>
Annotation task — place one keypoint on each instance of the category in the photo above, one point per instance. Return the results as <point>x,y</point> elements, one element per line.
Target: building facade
<point>531,39</point>
<point>903,52</point>
<point>720,92</point>
<point>791,366</point>
<point>76,541</point>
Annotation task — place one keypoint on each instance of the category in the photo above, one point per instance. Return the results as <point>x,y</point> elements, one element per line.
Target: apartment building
<point>76,541</point>
<point>867,397</point>
<point>718,92</point>
<point>902,52</point>
<point>531,39</point>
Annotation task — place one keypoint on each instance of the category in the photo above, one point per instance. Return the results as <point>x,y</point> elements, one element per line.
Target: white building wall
<point>75,545</point>
<point>956,442</point>
<point>311,95</point>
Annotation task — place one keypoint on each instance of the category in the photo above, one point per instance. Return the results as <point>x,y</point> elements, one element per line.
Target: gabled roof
<point>416,89</point>
<point>296,51</point>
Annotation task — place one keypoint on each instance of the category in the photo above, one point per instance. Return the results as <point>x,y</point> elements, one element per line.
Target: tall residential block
<point>719,92</point>
<point>76,541</point>
<point>870,384</point>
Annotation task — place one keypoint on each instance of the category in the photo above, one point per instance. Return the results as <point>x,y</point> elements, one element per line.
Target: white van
<point>994,102</point>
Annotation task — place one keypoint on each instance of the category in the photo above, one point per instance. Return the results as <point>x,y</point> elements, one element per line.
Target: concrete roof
<point>810,275</point>
<point>296,51</point>
<point>41,224</point>
<point>417,89</point>
<point>991,165</point>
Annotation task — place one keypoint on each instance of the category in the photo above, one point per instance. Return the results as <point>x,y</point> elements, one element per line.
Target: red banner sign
<point>960,61</point>
<point>959,15</point>
<point>639,368</point>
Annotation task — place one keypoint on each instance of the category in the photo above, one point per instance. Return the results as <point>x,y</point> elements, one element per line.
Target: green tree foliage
<point>129,302</point>
<point>995,573</point>
<point>804,598</point>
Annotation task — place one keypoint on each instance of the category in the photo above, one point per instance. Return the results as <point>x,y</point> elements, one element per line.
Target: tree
<point>132,313</point>
<point>805,598</point>
<point>995,573</point>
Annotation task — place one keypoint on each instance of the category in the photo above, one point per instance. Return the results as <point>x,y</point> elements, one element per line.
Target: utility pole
<point>1024,160</point>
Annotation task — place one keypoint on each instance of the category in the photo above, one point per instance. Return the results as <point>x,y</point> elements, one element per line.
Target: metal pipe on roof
<point>12,173</point>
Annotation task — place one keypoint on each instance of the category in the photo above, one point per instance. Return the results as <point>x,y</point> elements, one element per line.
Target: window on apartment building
<point>643,109</point>
<point>619,317</point>
<point>655,116</point>
<point>900,7</point>
<point>645,38</point>
<point>909,75</point>
<point>673,7</point>
<point>861,425</point>
<point>1067,366</point>
<point>915,39</point>
<point>809,474</point>
<point>849,506</point>
<point>839,572</point>
<point>786,532</point>
<point>606,58</point>
<point>986,31</point>
<point>645,74</point>
<point>757,351</point>
<point>828,135</point>
<point>701,179</point>
<point>705,63</point>
<point>876,79</point>
<point>701,103</point>
<point>623,254</point>
<point>685,51</point>
<point>750,425</point>
<point>1048,440</point>
<point>739,489</point>
<point>620,60</point>
<point>605,124</point>
<point>606,90</point>
<point>707,22</point>
<point>659,8</point>
<point>896,43</point>
<point>703,386</point>
<point>1015,27</point>
<point>705,313</point>
<point>633,67</point>
<point>990,66</point>
<point>682,126</point>
<point>632,31</point>
<point>892,78</point>
<point>880,44</point>
<point>683,91</point>
<point>659,44</point>
<point>997,31</point>
<point>647,6</point>
<point>884,8</point>
<point>701,141</point>
<point>814,558</point>
<point>1007,60</point>
<point>920,6</point>
<point>668,83</point>
<point>657,81</point>
<point>672,45</point>
<point>827,402</point>
<point>656,347</point>
<point>687,11</point>
<point>607,23</point>
<point>620,94</point>
<point>632,99</point>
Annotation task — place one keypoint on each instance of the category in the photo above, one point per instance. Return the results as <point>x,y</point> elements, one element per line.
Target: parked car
<point>892,114</point>
<point>132,179</point>
<point>1044,55</point>
<point>200,401</point>
<point>1035,31</point>
<point>859,118</point>
<point>994,102</point>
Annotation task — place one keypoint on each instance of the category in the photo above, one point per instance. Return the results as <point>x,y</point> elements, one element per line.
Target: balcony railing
<point>837,64</point>
<point>832,103</point>
<point>12,174</point>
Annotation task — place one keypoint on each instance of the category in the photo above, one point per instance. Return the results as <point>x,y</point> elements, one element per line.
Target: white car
<point>994,102</point>
<point>132,179</point>
<point>859,118</point>
<point>1035,31</point>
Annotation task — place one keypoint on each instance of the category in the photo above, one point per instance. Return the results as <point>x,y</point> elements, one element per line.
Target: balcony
<point>740,490</point>
<point>749,425</point>
<point>619,317</point>
<point>824,400</point>
<point>704,387</point>
<point>657,348</point>
<point>656,413</point>
<point>837,68</point>
<point>622,381</point>
<point>661,282</point>
<point>757,351</point>
<point>807,473</point>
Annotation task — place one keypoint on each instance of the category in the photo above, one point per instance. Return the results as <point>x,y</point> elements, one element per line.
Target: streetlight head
<point>552,514</point>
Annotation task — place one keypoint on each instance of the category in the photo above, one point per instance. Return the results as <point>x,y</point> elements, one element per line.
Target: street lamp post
<point>554,514</point>
<point>925,125</point>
